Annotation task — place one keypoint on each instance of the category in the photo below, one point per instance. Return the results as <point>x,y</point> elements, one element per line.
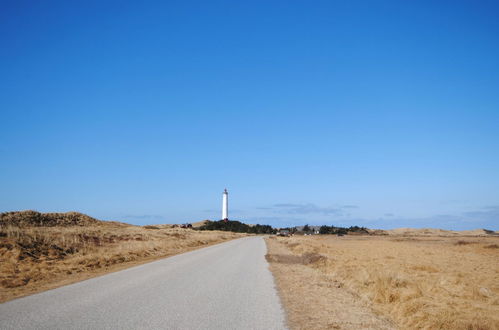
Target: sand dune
<point>434,232</point>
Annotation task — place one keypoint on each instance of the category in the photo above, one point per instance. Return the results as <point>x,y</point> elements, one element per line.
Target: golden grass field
<point>383,282</point>
<point>43,252</point>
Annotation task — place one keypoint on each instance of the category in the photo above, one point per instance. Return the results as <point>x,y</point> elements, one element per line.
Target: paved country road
<point>224,286</point>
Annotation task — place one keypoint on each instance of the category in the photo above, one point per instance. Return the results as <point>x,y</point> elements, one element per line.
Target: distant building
<point>284,232</point>
<point>312,230</point>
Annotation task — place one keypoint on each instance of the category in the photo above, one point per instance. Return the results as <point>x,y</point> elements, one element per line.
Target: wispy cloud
<point>488,213</point>
<point>308,209</point>
<point>486,217</point>
<point>286,205</point>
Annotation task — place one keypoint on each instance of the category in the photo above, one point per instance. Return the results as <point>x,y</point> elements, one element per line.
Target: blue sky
<point>376,113</point>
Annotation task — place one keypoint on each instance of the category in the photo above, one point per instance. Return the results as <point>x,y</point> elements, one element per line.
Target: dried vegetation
<point>41,251</point>
<point>414,282</point>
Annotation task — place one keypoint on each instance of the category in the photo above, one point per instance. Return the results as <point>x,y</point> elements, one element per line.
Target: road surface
<point>224,286</point>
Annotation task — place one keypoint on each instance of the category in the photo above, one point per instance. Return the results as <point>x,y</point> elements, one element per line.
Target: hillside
<point>37,219</point>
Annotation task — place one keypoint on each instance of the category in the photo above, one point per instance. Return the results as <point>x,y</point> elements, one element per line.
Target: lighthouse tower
<point>225,205</point>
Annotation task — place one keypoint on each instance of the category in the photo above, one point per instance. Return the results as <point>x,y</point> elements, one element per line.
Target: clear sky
<point>375,113</point>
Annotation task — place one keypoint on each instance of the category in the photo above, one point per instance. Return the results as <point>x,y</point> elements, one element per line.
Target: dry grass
<point>416,282</point>
<point>311,299</point>
<point>36,258</point>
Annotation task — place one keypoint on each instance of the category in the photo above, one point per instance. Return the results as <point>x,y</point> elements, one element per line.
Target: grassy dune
<point>43,251</point>
<point>412,282</point>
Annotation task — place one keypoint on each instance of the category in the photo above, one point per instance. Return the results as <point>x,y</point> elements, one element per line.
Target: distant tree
<point>237,226</point>
<point>358,229</point>
<point>324,230</point>
<point>306,228</point>
<point>341,231</point>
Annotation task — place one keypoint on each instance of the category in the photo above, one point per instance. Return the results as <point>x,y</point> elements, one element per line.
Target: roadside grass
<point>424,283</point>
<point>34,258</point>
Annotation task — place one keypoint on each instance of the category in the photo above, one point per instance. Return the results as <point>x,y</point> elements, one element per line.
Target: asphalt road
<point>224,286</point>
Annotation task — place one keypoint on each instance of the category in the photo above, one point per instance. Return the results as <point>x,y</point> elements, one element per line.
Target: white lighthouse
<point>225,205</point>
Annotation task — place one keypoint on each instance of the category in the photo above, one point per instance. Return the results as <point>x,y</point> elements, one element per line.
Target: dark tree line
<point>237,227</point>
<point>324,230</point>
